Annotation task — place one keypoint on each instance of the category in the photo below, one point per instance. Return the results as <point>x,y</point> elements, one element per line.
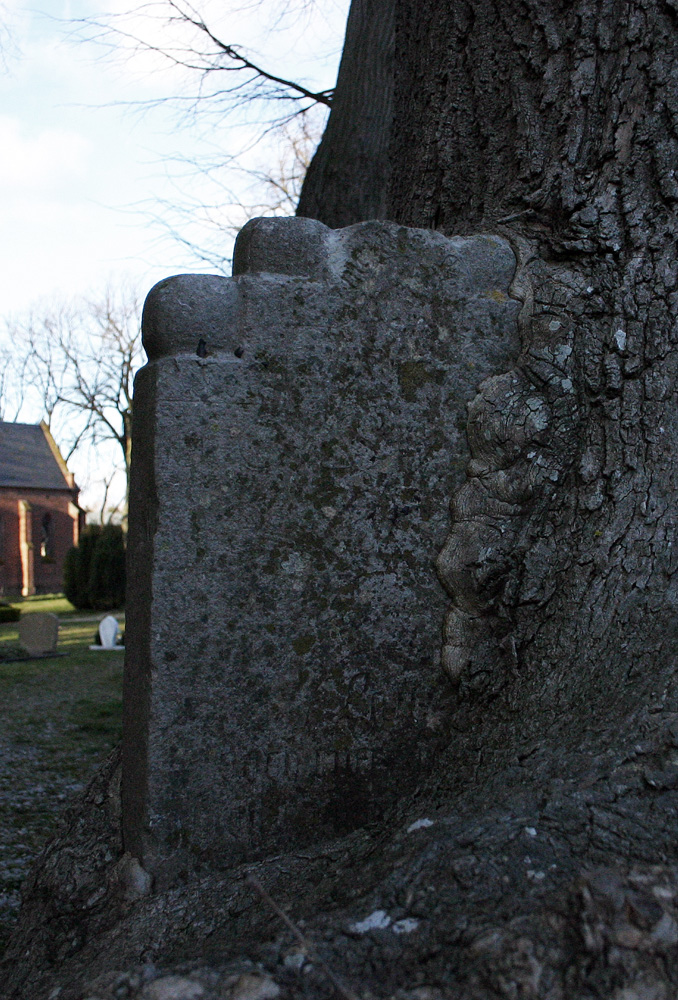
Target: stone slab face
<point>298,433</point>
<point>38,632</point>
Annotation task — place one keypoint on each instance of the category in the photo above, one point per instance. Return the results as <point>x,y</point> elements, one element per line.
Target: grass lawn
<point>59,718</point>
<point>56,603</point>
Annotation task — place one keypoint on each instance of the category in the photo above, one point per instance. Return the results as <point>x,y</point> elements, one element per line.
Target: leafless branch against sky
<point>256,124</point>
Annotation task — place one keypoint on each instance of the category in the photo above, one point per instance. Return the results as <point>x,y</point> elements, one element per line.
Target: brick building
<point>39,514</point>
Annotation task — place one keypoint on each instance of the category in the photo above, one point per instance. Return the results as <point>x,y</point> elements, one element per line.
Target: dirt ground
<point>532,863</point>
<point>58,719</point>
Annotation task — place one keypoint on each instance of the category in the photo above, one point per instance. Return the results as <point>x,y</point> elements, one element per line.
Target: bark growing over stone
<point>559,127</point>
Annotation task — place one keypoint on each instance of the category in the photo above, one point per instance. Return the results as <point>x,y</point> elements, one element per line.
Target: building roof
<point>30,459</point>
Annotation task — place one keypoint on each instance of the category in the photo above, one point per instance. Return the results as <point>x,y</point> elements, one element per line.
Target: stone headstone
<point>38,632</point>
<point>108,633</point>
<point>298,433</point>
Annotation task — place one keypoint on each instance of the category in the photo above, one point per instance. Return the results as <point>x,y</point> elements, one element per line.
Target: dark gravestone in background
<point>298,433</point>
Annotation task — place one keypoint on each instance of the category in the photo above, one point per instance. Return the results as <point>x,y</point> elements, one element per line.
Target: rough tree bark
<point>558,128</point>
<point>347,180</point>
<point>548,866</point>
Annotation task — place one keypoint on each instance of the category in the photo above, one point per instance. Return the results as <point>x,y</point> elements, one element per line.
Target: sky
<point>96,167</point>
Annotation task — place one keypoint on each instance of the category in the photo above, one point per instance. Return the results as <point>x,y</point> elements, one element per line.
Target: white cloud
<point>42,161</point>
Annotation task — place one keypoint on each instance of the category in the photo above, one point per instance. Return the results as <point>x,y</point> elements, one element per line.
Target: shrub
<point>72,590</point>
<point>107,570</point>
<point>94,571</point>
<point>8,613</point>
<point>78,568</point>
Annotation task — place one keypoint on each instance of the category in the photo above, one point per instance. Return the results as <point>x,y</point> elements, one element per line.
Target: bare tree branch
<point>224,206</point>
<point>234,53</point>
<point>254,103</point>
<point>215,56</point>
<point>78,365</point>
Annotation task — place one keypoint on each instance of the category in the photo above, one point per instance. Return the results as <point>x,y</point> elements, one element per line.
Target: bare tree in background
<point>284,180</point>
<point>271,187</point>
<point>77,362</point>
<point>225,72</point>
<point>9,405</point>
<point>225,86</point>
<point>8,44</point>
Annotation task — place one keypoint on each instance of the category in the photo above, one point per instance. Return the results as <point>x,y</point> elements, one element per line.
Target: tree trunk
<point>347,179</point>
<point>557,128</point>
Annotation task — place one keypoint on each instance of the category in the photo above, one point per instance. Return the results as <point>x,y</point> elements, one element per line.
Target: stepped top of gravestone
<point>307,248</point>
<point>38,632</point>
<point>285,249</point>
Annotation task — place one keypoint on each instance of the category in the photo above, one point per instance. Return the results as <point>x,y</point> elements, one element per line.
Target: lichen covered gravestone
<point>298,432</point>
<point>38,633</point>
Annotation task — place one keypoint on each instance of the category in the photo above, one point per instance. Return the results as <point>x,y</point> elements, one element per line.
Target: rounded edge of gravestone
<point>295,247</point>
<point>190,314</point>
<point>485,260</point>
<point>109,624</point>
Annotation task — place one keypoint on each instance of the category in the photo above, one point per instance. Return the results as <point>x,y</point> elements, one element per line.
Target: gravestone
<point>298,433</point>
<point>38,633</point>
<point>108,634</point>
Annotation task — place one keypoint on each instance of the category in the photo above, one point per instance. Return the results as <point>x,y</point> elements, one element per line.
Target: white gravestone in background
<point>108,634</point>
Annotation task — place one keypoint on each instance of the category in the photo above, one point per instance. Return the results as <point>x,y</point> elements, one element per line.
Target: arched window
<point>46,539</point>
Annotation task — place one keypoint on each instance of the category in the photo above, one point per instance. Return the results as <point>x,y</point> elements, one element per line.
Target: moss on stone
<point>413,375</point>
<point>303,644</point>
